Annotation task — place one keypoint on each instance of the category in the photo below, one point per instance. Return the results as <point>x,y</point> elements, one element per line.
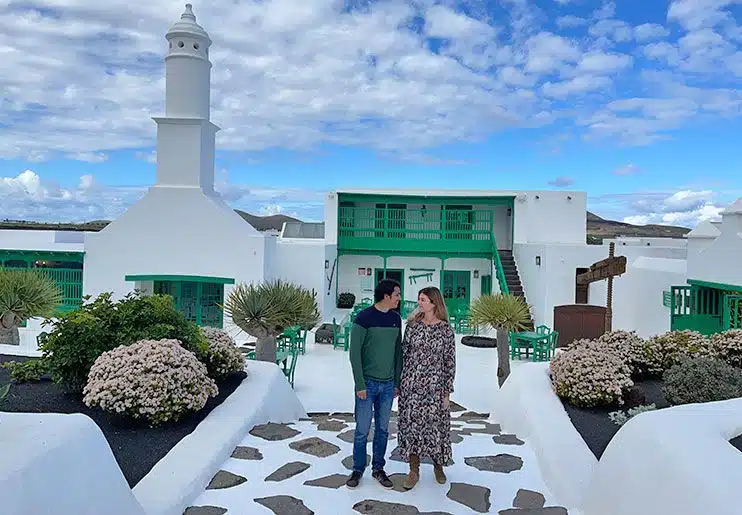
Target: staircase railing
<point>499,272</point>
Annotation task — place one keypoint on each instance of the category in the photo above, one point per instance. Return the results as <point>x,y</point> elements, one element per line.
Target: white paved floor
<point>324,385</point>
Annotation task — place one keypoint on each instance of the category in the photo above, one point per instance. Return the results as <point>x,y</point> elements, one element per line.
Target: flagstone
<point>273,432</point>
<point>315,446</point>
<point>225,479</point>
<point>504,463</point>
<point>284,505</point>
<point>288,470</point>
<point>473,496</point>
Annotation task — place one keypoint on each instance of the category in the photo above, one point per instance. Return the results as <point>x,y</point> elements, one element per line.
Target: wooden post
<point>609,295</point>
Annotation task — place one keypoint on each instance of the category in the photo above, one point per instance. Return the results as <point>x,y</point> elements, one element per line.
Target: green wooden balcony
<point>417,231</point>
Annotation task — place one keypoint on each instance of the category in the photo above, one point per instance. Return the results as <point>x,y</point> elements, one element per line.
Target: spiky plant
<point>505,314</point>
<point>24,294</point>
<point>4,392</point>
<point>264,310</point>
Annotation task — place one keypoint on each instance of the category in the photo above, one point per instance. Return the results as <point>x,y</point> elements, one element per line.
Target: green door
<point>732,312</point>
<point>456,289</point>
<point>486,285</point>
<point>199,302</point>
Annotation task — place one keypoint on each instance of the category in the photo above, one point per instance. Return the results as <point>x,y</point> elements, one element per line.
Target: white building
<point>184,240</point>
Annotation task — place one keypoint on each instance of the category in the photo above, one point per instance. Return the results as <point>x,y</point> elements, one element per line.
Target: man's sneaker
<point>382,478</point>
<point>353,480</point>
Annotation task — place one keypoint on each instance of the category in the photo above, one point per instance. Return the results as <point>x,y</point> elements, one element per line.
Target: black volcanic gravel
<point>596,427</point>
<point>137,448</point>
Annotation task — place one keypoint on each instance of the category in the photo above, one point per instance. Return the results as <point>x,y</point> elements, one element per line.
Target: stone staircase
<point>512,277</point>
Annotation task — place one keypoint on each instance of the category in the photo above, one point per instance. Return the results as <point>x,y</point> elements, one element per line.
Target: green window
<point>198,301</point>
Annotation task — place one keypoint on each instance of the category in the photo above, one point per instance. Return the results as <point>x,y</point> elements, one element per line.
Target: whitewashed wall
<point>553,217</point>
<point>301,261</point>
<point>637,294</point>
<point>718,260</point>
<point>60,241</point>
<point>351,281</point>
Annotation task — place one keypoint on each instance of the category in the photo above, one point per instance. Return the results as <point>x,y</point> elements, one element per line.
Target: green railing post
<point>501,280</point>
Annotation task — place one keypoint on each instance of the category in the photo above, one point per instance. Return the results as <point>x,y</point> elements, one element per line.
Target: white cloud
<point>28,197</point>
<point>562,182</point>
<point>684,207</point>
<point>81,79</point>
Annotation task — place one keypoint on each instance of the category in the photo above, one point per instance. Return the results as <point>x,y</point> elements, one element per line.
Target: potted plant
<point>24,294</point>
<point>264,310</point>
<point>346,300</point>
<point>505,314</point>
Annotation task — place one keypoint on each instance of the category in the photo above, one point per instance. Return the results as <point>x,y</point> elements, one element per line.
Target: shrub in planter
<point>26,371</point>
<point>701,379</point>
<point>223,358</point>
<point>79,337</point>
<point>588,376</point>
<point>155,381</point>
<point>346,300</point>
<point>663,351</point>
<point>727,346</point>
<point>627,345</point>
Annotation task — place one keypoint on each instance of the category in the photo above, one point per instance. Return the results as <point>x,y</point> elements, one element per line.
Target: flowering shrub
<point>587,376</point>
<point>665,350</point>
<point>154,380</point>
<point>621,417</point>
<point>628,346</point>
<point>727,346</point>
<point>222,358</point>
<point>701,379</point>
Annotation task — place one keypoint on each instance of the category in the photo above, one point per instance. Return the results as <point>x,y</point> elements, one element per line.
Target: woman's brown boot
<point>414,474</point>
<point>440,476</point>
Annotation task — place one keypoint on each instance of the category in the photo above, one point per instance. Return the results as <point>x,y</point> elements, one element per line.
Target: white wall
<point>60,241</point>
<point>550,218</point>
<point>637,294</point>
<point>647,242</point>
<point>350,281</point>
<point>301,261</point>
<point>718,260</point>
<point>174,231</point>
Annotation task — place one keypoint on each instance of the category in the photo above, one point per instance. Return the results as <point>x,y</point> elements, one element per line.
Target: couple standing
<point>419,367</point>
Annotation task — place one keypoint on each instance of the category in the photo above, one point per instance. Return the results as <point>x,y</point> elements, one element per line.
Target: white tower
<point>185,135</point>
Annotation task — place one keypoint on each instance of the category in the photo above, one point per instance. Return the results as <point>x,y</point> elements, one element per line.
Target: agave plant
<point>264,310</point>
<point>4,392</point>
<point>24,294</point>
<point>505,314</point>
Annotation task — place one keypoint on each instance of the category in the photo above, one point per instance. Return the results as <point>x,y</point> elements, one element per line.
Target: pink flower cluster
<point>223,358</point>
<point>155,380</point>
<point>589,374</point>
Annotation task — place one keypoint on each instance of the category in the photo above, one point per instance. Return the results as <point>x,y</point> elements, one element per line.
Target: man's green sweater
<point>376,347</point>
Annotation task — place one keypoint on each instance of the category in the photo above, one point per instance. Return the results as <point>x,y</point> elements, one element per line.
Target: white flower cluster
<point>588,375</point>
<point>628,345</point>
<point>155,380</point>
<point>727,346</point>
<point>663,351</point>
<point>223,358</point>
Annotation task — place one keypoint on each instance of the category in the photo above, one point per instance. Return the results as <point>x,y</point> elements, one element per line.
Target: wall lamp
<point>538,260</point>
<point>327,264</point>
<point>569,197</point>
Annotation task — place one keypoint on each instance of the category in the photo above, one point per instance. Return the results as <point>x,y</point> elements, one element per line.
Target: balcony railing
<point>441,229</point>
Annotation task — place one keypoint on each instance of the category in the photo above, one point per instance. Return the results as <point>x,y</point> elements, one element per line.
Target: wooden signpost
<point>608,268</point>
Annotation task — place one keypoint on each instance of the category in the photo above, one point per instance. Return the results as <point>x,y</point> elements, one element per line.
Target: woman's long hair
<point>434,294</point>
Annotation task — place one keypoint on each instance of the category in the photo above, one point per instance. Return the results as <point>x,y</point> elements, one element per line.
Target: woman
<point>428,370</point>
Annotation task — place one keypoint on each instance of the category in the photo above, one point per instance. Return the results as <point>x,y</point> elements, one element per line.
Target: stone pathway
<point>301,468</point>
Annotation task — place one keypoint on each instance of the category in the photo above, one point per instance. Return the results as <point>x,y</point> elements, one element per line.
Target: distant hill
<point>597,227</point>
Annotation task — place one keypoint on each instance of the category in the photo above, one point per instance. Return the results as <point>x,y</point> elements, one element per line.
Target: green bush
<point>701,379</point>
<point>25,371</point>
<point>346,300</point>
<point>80,337</point>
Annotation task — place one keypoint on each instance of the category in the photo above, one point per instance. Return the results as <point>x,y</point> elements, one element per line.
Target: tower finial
<point>188,14</point>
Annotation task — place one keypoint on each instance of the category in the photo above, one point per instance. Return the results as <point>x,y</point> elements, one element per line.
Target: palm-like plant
<point>266,309</point>
<point>24,294</point>
<point>505,314</point>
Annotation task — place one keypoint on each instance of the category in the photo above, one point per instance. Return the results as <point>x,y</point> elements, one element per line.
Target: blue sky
<point>639,106</point>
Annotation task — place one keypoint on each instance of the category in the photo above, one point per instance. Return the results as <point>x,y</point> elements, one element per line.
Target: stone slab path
<point>300,469</point>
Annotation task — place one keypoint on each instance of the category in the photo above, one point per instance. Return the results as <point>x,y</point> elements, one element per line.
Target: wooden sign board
<point>609,267</point>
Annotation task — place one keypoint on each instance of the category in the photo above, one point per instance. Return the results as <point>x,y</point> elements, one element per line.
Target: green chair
<point>542,329</point>
<point>340,335</point>
<point>544,350</point>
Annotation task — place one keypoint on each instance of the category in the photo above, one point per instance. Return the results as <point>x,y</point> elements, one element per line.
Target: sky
<point>636,103</point>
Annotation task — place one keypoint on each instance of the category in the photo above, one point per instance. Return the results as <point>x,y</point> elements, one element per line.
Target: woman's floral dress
<point>428,371</point>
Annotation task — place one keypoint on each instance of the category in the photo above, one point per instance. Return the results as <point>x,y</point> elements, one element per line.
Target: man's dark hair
<point>385,287</point>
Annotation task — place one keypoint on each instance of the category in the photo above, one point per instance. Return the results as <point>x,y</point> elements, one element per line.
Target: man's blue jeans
<point>377,404</point>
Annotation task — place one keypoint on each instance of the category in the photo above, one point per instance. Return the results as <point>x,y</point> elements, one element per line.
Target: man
<point>376,360</point>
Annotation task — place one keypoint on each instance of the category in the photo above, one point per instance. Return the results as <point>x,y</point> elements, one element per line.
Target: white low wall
<point>183,474</point>
<point>56,464</point>
<point>527,406</point>
<point>673,461</point>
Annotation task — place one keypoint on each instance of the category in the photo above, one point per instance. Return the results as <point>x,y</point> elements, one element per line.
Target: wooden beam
<point>604,269</point>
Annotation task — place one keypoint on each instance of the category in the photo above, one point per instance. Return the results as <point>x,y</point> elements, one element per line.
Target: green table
<point>532,337</point>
